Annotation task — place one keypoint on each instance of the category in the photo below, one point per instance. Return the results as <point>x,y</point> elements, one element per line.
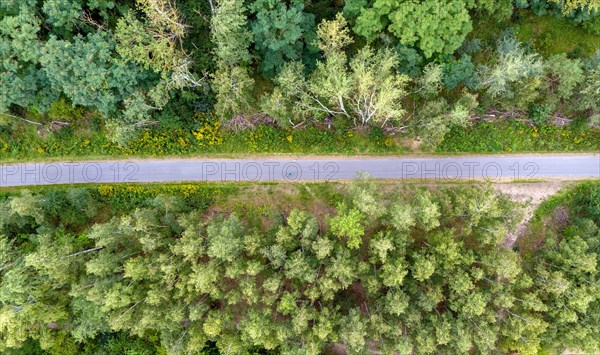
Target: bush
<point>63,110</point>
<point>592,25</point>
<point>588,201</point>
<point>540,114</point>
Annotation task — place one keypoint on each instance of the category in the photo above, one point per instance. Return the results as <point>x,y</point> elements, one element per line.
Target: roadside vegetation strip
<point>24,143</point>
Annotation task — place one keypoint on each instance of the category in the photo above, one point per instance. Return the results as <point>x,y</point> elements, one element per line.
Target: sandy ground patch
<point>532,194</point>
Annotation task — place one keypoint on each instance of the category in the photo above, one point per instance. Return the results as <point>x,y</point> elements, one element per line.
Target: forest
<point>168,77</point>
<point>145,269</point>
<point>356,267</point>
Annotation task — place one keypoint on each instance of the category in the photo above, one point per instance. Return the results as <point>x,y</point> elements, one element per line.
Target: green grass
<point>547,35</point>
<point>550,35</point>
<point>506,137</point>
<point>25,144</point>
<point>518,137</point>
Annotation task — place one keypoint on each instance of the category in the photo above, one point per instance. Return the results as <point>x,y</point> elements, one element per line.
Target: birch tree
<point>366,90</point>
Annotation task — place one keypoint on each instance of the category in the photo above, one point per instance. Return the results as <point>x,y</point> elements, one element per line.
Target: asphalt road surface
<point>494,168</point>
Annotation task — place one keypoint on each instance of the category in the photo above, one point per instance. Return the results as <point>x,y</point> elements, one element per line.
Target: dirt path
<point>532,194</point>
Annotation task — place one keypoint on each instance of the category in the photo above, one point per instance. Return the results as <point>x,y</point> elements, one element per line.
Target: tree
<point>225,239</point>
<point>437,117</point>
<point>92,77</point>
<point>566,275</point>
<point>430,81</point>
<point>516,71</point>
<point>156,44</point>
<point>570,6</point>
<point>460,71</point>
<point>353,332</point>
<point>401,216</point>
<point>433,26</point>
<point>590,89</point>
<point>21,83</point>
<point>365,197</point>
<point>231,82</point>
<point>348,224</point>
<point>282,33</point>
<point>563,76</point>
<point>426,211</point>
<point>62,13</point>
<point>366,90</point>
<point>28,205</point>
<point>378,90</point>
<point>83,70</point>
<point>232,86</point>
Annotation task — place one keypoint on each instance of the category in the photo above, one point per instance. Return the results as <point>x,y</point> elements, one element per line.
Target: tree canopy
<point>420,270</point>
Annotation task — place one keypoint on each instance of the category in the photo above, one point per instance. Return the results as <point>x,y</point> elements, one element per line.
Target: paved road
<point>317,169</point>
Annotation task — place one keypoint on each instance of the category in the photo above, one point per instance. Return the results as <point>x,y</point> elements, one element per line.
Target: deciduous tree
<point>282,33</point>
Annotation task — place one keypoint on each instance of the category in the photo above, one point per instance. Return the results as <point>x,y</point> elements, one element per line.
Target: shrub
<point>540,113</point>
<point>63,110</point>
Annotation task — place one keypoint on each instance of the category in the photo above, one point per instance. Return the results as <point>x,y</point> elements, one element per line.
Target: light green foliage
<point>365,197</point>
<point>353,332</point>
<point>231,82</point>
<point>225,239</point>
<point>423,267</point>
<point>229,33</point>
<point>365,90</point>
<point>562,76</point>
<point>566,283</point>
<point>435,122</point>
<point>27,205</point>
<point>232,86</point>
<point>426,211</point>
<point>515,78</point>
<point>591,89</point>
<point>434,26</point>
<point>401,216</point>
<point>34,292</point>
<point>348,224</point>
<point>430,82</point>
<point>282,33</point>
<point>378,91</point>
<point>156,44</point>
<point>559,307</point>
<point>570,6</point>
<point>136,43</point>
